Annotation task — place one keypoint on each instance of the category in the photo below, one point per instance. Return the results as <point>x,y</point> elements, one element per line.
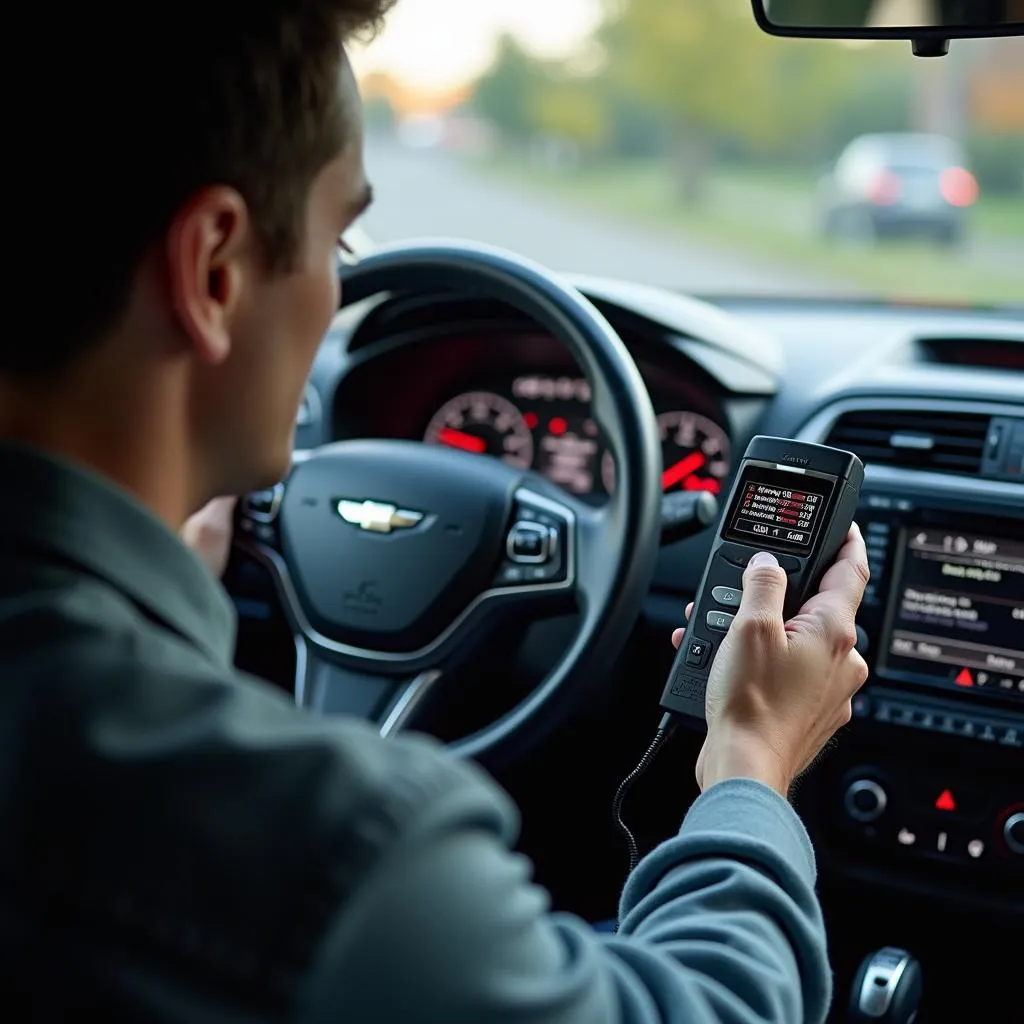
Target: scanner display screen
<point>779,507</point>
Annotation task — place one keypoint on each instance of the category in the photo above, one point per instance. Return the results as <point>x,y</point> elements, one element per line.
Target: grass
<point>1002,217</point>
<point>770,215</point>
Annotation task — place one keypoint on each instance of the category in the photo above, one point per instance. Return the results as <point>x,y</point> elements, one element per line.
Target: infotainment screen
<point>956,613</point>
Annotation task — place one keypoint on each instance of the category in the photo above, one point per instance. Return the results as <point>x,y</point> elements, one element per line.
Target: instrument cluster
<point>544,422</point>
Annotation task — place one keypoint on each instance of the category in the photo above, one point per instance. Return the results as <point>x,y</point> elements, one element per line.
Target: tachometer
<point>485,424</point>
<point>694,451</point>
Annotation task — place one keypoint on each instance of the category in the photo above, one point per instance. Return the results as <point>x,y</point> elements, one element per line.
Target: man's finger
<point>842,587</point>
<point>677,634</point>
<point>764,594</point>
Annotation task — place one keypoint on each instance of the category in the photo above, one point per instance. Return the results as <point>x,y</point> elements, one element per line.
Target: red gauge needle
<point>460,439</point>
<point>681,470</point>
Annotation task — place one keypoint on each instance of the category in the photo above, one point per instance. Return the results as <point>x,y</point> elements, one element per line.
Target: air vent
<point>917,439</point>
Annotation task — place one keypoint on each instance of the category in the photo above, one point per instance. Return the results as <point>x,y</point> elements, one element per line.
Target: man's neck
<point>128,437</point>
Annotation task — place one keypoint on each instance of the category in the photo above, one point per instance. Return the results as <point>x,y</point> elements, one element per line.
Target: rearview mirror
<point>930,24</point>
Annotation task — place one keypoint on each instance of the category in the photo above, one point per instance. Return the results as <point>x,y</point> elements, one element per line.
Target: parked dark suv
<point>897,185</point>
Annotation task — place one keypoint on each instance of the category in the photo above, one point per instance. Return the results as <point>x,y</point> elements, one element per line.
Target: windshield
<point>670,142</point>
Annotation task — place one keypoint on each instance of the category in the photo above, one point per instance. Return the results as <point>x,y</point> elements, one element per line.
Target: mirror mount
<point>929,46</point>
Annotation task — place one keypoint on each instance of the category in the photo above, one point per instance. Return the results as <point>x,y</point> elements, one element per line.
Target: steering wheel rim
<point>625,532</point>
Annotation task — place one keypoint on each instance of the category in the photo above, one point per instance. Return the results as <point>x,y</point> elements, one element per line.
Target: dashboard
<point>919,808</point>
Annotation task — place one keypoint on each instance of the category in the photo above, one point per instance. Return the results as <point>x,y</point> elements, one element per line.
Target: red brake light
<point>885,189</point>
<point>958,187</point>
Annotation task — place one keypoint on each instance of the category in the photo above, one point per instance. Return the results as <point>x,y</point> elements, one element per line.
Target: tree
<point>506,95</point>
<point>711,74</point>
<point>570,109</point>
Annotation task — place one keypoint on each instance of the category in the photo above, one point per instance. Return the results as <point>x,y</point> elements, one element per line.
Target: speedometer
<point>485,424</point>
<point>694,451</point>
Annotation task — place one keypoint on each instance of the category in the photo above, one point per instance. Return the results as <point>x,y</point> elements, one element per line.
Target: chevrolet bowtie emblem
<point>377,516</point>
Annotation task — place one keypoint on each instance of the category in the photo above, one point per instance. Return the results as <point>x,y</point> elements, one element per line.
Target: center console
<point>928,782</point>
<point>944,622</point>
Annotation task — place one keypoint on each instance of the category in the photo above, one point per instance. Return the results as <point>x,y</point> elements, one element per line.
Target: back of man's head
<point>127,111</point>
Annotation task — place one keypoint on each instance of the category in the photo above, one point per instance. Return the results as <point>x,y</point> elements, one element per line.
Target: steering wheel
<point>394,559</point>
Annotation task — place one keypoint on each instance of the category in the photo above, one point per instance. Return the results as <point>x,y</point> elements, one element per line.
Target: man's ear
<point>209,247</point>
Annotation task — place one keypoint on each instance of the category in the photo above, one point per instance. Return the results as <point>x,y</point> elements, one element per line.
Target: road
<point>430,194</point>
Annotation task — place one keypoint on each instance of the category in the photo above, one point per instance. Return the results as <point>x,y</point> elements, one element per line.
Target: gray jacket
<point>181,844</point>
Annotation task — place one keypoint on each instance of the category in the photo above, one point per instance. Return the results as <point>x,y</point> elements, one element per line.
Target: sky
<point>436,44</point>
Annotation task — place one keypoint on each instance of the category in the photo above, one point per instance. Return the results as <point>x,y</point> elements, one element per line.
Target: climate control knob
<point>1013,833</point>
<point>865,800</point>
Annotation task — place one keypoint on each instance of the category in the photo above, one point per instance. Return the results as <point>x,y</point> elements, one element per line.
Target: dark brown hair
<point>148,109</point>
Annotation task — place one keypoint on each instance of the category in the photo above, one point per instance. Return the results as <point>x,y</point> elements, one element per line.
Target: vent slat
<point>953,443</point>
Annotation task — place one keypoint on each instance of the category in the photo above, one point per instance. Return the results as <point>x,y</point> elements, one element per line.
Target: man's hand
<point>208,533</point>
<point>779,690</point>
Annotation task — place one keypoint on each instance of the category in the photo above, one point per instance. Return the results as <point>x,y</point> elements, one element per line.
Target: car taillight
<point>884,190</point>
<point>958,187</point>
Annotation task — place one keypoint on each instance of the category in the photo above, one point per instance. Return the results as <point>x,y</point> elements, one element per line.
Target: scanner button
<point>697,652</point>
<point>719,621</point>
<point>737,554</point>
<point>789,562</point>
<point>727,596</point>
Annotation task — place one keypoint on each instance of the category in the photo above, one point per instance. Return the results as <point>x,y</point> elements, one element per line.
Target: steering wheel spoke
<point>326,686</point>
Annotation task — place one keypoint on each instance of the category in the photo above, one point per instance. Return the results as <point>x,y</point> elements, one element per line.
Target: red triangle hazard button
<point>945,801</point>
<point>964,678</point>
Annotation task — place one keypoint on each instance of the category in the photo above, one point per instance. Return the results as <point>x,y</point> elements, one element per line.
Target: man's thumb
<point>764,588</point>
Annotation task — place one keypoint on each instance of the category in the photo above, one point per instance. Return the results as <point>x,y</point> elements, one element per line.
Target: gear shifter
<point>886,989</point>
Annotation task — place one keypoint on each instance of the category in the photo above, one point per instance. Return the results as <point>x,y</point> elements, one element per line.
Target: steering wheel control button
<point>530,543</point>
<point>1013,833</point>
<point>728,597</point>
<point>719,621</point>
<point>865,800</point>
<point>263,506</point>
<point>697,652</point>
<point>534,554</point>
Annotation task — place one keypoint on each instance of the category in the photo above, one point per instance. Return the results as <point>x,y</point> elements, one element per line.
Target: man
<point>182,844</point>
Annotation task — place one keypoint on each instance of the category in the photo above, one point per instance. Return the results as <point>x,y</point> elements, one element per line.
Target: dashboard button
<point>729,597</point>
<point>719,621</point>
<point>1013,833</point>
<point>1011,737</point>
<point>948,799</point>
<point>865,800</point>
